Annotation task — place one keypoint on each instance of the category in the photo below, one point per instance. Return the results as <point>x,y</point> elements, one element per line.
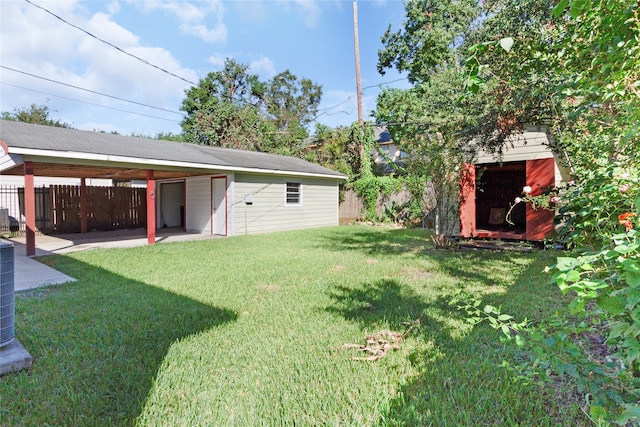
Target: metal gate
<point>12,219</point>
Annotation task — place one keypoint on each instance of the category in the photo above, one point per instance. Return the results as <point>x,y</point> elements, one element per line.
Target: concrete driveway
<point>29,273</point>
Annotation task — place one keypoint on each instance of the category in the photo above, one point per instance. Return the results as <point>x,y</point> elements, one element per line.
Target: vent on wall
<point>7,294</point>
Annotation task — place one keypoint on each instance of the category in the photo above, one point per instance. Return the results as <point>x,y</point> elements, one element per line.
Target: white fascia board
<point>147,163</point>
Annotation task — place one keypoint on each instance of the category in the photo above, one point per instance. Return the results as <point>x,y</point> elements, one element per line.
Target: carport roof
<point>96,154</point>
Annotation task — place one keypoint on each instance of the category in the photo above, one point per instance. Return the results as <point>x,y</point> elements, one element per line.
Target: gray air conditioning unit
<point>7,294</point>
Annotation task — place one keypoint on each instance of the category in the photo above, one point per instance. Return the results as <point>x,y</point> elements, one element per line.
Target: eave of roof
<point>46,143</point>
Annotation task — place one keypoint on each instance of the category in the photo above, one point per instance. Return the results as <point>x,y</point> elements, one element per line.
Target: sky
<point>45,61</point>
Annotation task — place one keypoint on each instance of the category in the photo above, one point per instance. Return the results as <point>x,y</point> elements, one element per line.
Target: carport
<point>50,162</point>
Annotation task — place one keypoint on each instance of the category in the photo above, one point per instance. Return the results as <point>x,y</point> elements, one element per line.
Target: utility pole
<point>356,44</point>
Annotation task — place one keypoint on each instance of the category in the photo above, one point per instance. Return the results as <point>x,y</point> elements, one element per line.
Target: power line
<point>349,98</point>
<point>337,105</point>
<point>89,103</point>
<point>384,83</point>
<point>90,91</point>
<point>144,61</point>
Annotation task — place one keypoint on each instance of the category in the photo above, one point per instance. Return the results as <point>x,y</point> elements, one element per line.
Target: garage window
<point>293,193</point>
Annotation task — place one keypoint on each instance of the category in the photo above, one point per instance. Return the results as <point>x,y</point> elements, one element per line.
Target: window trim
<point>288,193</point>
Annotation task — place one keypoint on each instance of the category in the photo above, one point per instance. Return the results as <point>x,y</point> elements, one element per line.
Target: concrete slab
<point>14,357</point>
<point>29,273</point>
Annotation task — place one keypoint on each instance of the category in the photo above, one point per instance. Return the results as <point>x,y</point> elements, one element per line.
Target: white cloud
<point>256,11</point>
<point>311,12</point>
<point>27,34</point>
<point>185,12</point>
<point>113,8</point>
<point>37,43</point>
<point>214,35</point>
<point>193,18</point>
<point>263,66</point>
<point>217,61</point>
<point>102,26</point>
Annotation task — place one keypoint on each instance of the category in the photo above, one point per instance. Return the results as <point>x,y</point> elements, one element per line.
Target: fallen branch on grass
<point>379,344</point>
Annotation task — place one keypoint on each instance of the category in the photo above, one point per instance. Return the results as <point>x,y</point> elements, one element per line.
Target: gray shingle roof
<point>53,139</point>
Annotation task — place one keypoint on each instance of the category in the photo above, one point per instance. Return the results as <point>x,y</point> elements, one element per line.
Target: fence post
<point>30,208</point>
<point>83,205</point>
<point>151,208</point>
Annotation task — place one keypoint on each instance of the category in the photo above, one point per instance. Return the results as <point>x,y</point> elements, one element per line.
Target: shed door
<point>219,205</point>
<point>172,204</point>
<point>540,175</point>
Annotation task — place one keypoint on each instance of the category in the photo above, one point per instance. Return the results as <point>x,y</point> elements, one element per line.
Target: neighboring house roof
<point>381,134</point>
<point>47,143</point>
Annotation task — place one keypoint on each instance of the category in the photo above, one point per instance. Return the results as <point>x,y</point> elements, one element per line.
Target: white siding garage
<point>269,209</point>
<point>240,204</point>
<point>198,205</point>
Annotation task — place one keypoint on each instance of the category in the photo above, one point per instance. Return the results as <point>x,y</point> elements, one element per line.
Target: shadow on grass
<point>459,380</point>
<point>389,304</point>
<point>378,241</point>
<point>97,345</point>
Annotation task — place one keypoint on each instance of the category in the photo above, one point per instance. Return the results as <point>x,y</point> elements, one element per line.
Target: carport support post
<point>30,208</point>
<point>151,208</point>
<point>83,205</point>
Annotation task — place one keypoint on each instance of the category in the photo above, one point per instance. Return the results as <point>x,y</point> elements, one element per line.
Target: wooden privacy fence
<point>351,206</point>
<point>108,208</point>
<point>58,209</point>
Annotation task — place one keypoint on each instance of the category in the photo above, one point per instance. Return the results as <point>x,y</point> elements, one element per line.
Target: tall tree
<point>233,108</point>
<point>290,105</point>
<point>222,109</point>
<point>430,39</point>
<point>436,37</point>
<point>517,37</point>
<point>424,121</point>
<point>291,102</point>
<point>36,114</point>
<point>335,149</point>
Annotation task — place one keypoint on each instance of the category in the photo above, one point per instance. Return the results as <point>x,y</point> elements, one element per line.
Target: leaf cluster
<point>336,149</point>
<point>36,114</point>
<point>234,108</point>
<point>429,40</point>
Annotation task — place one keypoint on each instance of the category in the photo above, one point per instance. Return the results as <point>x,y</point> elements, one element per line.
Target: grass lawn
<point>243,331</point>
